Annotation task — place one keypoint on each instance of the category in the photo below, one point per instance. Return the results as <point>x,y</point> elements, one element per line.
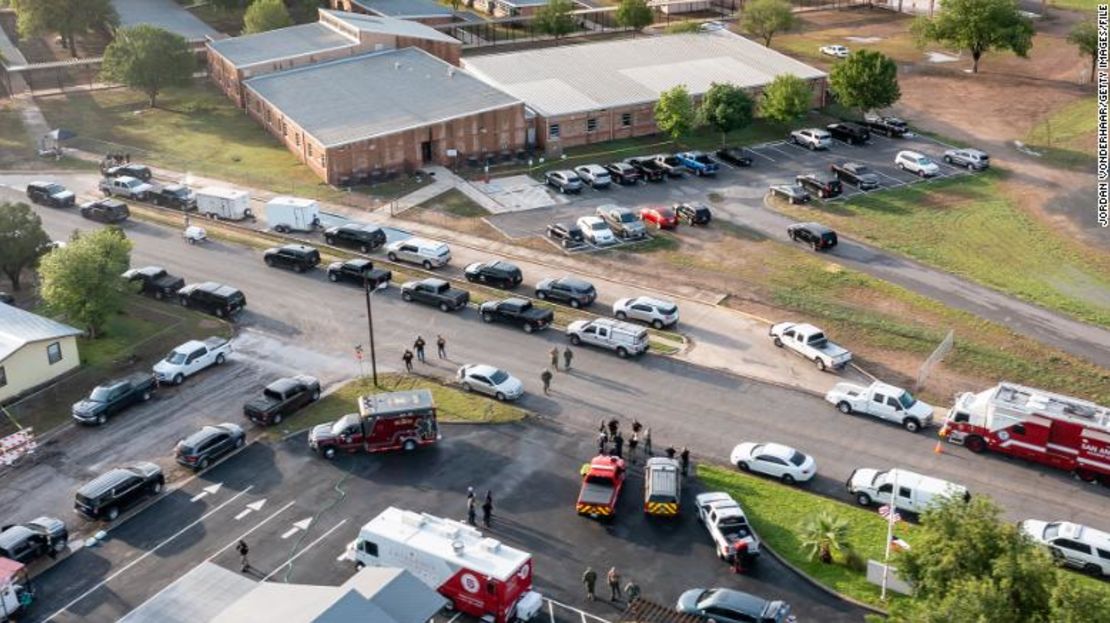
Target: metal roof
<point>405,8</point>
<point>165,14</point>
<point>19,328</point>
<point>362,97</point>
<point>568,79</point>
<point>389,26</point>
<point>279,44</point>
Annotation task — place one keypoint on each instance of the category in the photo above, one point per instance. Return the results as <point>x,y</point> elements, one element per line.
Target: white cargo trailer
<point>227,203</point>
<point>286,214</point>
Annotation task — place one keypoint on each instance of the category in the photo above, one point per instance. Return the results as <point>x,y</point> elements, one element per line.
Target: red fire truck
<point>1036,425</point>
<point>481,576</point>
<point>389,421</point>
<point>602,480</point>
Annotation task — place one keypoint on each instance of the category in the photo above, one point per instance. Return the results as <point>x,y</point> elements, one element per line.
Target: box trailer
<point>224,203</point>
<point>286,214</point>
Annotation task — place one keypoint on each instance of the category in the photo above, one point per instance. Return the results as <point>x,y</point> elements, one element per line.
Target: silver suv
<point>973,159</point>
<point>656,312</point>
<point>622,221</point>
<point>813,138</point>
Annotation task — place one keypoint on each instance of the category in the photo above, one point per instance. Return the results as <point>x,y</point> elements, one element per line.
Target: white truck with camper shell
<point>224,203</point>
<point>883,401</point>
<point>190,358</point>
<point>625,338</point>
<point>915,491</point>
<point>285,214</point>
<point>727,525</point>
<point>811,343</point>
<point>125,186</point>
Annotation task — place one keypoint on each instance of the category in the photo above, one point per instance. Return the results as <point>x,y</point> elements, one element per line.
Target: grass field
<point>1067,136</point>
<point>455,203</point>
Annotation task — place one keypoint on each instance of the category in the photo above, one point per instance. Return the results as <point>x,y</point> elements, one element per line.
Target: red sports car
<point>660,216</point>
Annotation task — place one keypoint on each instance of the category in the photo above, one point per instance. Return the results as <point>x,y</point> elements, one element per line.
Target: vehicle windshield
<point>907,400</point>
<point>100,394</point>
<point>178,192</point>
<point>862,170</point>
<point>797,458</point>
<point>604,481</point>
<point>923,161</point>
<point>627,217</point>
<point>666,213</point>
<point>176,357</point>
<point>670,160</point>
<point>132,183</point>
<point>1051,531</point>
<point>667,310</point>
<point>54,189</point>
<point>342,424</point>
<point>499,377</point>
<point>702,158</point>
<point>598,226</point>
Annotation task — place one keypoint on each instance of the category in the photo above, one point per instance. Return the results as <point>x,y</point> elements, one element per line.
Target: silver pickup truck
<point>811,343</point>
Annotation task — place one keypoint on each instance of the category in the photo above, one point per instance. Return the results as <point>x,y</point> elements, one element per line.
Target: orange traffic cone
<point>937,448</point>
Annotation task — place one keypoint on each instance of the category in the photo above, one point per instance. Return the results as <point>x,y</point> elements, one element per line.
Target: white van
<point>662,487</point>
<point>427,253</point>
<point>625,338</point>
<point>915,492</point>
<point>286,214</point>
<point>229,203</point>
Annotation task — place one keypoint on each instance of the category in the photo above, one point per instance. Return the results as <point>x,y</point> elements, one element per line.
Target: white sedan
<point>491,381</point>
<point>596,230</point>
<point>772,459</point>
<point>838,51</point>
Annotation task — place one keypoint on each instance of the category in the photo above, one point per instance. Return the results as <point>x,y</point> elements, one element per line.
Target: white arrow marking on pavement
<point>210,490</point>
<point>300,525</point>
<point>253,506</point>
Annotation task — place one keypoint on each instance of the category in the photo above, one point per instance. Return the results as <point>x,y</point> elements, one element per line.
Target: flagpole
<point>892,509</point>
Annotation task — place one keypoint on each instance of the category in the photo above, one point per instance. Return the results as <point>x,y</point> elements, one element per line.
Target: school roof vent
<point>458,546</point>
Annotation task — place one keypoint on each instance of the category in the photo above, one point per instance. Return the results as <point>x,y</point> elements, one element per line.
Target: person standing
<point>618,445</point>
<point>441,347</point>
<point>670,452</point>
<point>243,551</point>
<point>614,578</point>
<point>647,443</point>
<point>554,352</point>
<point>614,424</point>
<point>471,511</point>
<point>685,456</point>
<point>589,578</point>
<point>602,439</point>
<point>568,355</point>
<point>637,427</point>
<point>632,443</point>
<point>407,358</point>
<point>631,591</point>
<point>418,345</point>
<point>487,509</point>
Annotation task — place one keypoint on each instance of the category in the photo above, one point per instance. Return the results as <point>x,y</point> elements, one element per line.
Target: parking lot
<point>776,162</point>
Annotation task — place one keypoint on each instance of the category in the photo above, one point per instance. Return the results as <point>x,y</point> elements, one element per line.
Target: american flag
<point>886,510</point>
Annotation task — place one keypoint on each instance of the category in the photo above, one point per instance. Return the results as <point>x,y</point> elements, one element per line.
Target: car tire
<point>178,379</point>
<point>220,359</point>
<point>392,256</point>
<point>911,424</point>
<point>778,342</point>
<point>330,240</point>
<point>657,324</point>
<point>844,407</point>
<point>820,363</point>
<point>409,445</point>
<point>146,395</point>
<point>621,315</point>
<point>574,339</point>
<point>203,465</point>
<point>112,513</point>
<point>466,387</point>
<point>622,352</point>
<point>499,396</point>
<point>487,317</point>
<point>219,313</point>
<point>101,419</point>
<point>901,166</point>
<point>269,262</point>
<point>575,304</point>
<point>743,466</point>
<point>329,453</point>
<point>297,268</point>
<point>948,159</point>
<point>183,300</point>
<point>529,327</point>
<point>1092,570</point>
<point>333,277</point>
<point>787,479</point>
<point>315,395</point>
<point>362,248</point>
<point>427,265</point>
<point>159,295</point>
<point>444,307</point>
<point>276,419</point>
<point>406,297</point>
<point>541,295</point>
<point>863,499</point>
<point>240,441</point>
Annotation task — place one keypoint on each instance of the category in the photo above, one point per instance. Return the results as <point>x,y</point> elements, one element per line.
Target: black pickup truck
<point>281,398</point>
<point>648,168</point>
<point>891,127</point>
<point>26,542</point>
<point>516,311</point>
<point>173,196</point>
<point>436,292</point>
<point>113,397</point>
<point>359,271</point>
<point>851,133</point>
<point>155,281</point>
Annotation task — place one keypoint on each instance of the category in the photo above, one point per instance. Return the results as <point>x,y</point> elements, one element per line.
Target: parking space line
<point>149,552</point>
<point>551,610</point>
<point>300,553</point>
<point>755,151</point>
<point>452,619</point>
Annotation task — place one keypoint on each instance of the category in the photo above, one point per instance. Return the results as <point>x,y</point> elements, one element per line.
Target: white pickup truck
<point>883,401</point>
<point>126,186</point>
<point>727,525</point>
<point>811,343</point>
<point>190,358</point>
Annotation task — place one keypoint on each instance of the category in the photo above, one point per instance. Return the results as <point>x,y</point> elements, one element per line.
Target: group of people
<point>418,346</point>
<point>113,160</point>
<point>472,508</point>
<point>611,441</point>
<point>547,375</point>
<point>613,578</point>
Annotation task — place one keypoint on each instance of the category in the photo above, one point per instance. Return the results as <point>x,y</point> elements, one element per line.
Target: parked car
<point>916,163</point>
<point>736,156</point>
<point>670,164</point>
<point>596,231</point>
<point>106,211</point>
<point>490,381</point>
<point>190,358</point>
<point>298,257</point>
<point>497,273</point>
<point>693,213</point>
<point>624,338</point>
<point>360,271</point>
<point>838,51</point>
<point>125,186</point>
<point>792,193</point>
<point>883,401</point>
<point>812,138</point>
<point>118,489</point>
<point>851,133</point>
<point>648,168</point>
<point>1072,545</point>
<point>567,235</point>
<point>973,159</point>
<point>594,174</point>
<point>112,397</point>
<point>51,195</point>
<point>811,343</point>
<point>826,185</point>
<point>815,235</point>
<point>698,162</point>
<point>775,460</point>
<point>623,173</point>
<point>131,169</point>
<point>282,398</point>
<point>154,281</point>
<point>660,216</point>
<point>564,181</point>
<point>212,298</point>
<point>427,253</point>
<point>622,221</point>
<point>202,448</point>
<point>27,542</point>
<point>859,175</point>
<point>6,298</point>
<point>725,605</point>
<point>362,236</point>
<point>517,311</point>
<point>890,127</point>
<point>176,196</point>
<point>656,312</point>
<point>568,290</point>
<point>435,292</point>
<point>916,492</point>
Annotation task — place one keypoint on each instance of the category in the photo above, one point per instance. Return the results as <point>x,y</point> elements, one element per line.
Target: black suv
<point>173,196</point>
<point>359,271</point>
<point>299,257</point>
<point>50,194</point>
<point>197,451</point>
<point>567,235</point>
<point>821,183</point>
<point>623,173</point>
<point>859,175</point>
<point>44,536</point>
<point>495,273</point>
<point>359,236</point>
<point>693,213</point>
<point>213,298</point>
<point>574,292</point>
<point>111,493</point>
<point>106,211</point>
<point>850,133</point>
<point>817,236</point>
<point>140,171</point>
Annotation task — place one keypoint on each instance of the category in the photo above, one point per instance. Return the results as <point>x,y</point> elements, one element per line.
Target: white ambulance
<point>480,576</point>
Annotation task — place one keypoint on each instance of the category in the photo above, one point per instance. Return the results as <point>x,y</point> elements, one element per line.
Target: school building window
<point>309,150</point>
<point>553,130</point>
<point>54,352</point>
<point>3,377</point>
<point>626,119</point>
<point>591,125</point>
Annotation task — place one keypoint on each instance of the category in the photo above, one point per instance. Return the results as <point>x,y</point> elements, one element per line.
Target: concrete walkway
<point>445,180</point>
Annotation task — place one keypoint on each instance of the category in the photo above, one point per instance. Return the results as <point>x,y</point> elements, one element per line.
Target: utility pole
<point>370,327</point>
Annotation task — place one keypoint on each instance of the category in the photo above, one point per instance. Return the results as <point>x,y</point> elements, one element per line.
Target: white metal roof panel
<point>19,327</point>
<point>279,44</point>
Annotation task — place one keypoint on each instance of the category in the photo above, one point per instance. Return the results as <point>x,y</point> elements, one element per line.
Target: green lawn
<point>1067,136</point>
<point>15,146</point>
<point>967,226</point>
<point>1077,5</point>
<point>455,203</point>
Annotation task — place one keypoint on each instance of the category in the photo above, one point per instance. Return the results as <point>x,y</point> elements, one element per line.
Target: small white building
<point>33,351</point>
<point>913,7</point>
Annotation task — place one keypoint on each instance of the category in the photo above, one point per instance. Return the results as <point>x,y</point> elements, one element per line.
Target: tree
<point>726,107</point>
<point>634,14</point>
<point>149,59</point>
<point>264,15</point>
<point>22,239</point>
<point>674,112</point>
<point>82,280</point>
<point>764,18</point>
<point>788,98</point>
<point>68,18</point>
<point>978,26</point>
<point>1073,602</point>
<point>1085,37</point>
<point>824,535</point>
<point>865,80</point>
<point>555,18</point>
